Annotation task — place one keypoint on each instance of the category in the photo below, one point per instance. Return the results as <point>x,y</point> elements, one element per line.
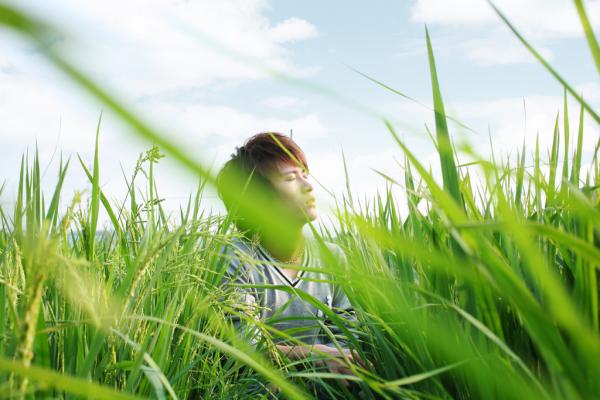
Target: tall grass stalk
<point>479,291</point>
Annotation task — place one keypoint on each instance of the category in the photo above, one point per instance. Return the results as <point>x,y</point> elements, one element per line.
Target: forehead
<point>286,168</point>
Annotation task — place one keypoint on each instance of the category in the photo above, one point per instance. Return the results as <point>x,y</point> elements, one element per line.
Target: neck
<point>288,250</point>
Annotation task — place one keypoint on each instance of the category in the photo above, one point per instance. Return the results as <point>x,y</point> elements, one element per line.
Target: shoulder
<point>237,254</point>
<point>332,249</point>
<point>237,247</point>
<point>337,251</point>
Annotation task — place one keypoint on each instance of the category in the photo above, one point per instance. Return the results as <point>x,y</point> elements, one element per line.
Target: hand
<point>335,361</point>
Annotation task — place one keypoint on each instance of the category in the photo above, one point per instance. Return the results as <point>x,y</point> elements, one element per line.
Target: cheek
<point>288,190</point>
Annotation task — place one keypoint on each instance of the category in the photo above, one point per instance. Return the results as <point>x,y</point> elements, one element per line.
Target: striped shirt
<point>284,309</point>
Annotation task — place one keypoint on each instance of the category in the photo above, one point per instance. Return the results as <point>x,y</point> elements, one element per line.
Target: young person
<point>263,255</point>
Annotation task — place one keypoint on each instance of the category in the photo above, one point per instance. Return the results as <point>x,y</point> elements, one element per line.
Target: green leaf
<point>55,380</point>
<point>53,208</point>
<point>446,152</point>
<point>589,32</point>
<point>409,380</point>
<point>95,203</point>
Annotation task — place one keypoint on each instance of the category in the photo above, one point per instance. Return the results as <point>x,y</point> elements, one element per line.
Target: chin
<point>308,215</point>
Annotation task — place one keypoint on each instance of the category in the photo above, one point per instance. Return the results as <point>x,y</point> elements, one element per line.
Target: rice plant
<point>481,291</point>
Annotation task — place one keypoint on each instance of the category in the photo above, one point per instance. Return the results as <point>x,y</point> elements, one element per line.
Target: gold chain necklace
<point>297,259</point>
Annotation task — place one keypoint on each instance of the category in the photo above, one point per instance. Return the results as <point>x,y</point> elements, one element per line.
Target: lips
<point>311,202</point>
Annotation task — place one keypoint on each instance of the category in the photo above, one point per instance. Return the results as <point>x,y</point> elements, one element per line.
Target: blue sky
<point>155,55</point>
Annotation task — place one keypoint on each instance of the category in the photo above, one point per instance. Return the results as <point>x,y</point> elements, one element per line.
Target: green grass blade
<point>18,215</point>
<point>107,207</point>
<point>553,163</point>
<point>546,65</point>
<point>243,354</point>
<point>37,189</point>
<point>571,242</point>
<point>589,33</point>
<point>347,179</point>
<point>95,199</point>
<point>76,386</point>
<point>575,172</point>
<point>409,380</point>
<point>520,175</point>
<point>449,170</point>
<point>53,208</point>
<point>444,198</point>
<point>401,94</point>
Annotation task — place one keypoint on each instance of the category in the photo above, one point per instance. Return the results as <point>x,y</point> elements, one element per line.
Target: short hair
<point>253,161</point>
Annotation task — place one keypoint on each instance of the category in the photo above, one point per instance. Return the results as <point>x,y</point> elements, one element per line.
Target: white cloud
<point>487,41</point>
<point>207,133</point>
<point>198,122</point>
<point>284,102</point>
<point>32,113</point>
<point>496,50</point>
<point>541,18</point>
<point>293,29</point>
<point>148,46</point>
<point>590,91</point>
<point>511,121</point>
<point>144,51</point>
<point>484,47</point>
<point>450,12</point>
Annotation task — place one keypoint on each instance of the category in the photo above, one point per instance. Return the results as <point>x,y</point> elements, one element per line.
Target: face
<point>291,181</point>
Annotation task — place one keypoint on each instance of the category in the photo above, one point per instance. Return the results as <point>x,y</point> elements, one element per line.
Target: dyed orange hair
<point>250,165</point>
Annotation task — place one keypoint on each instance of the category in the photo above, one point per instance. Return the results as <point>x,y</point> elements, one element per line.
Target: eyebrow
<point>304,171</point>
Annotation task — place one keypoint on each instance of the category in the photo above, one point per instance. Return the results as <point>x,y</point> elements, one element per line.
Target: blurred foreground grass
<point>491,293</point>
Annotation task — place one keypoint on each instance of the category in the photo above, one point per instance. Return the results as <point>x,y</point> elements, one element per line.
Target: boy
<point>276,164</point>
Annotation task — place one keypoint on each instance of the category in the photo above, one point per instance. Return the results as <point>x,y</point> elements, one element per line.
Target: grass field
<point>483,290</point>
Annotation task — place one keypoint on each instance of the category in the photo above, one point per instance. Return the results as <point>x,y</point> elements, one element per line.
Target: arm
<point>242,300</point>
<point>332,359</point>
<point>339,304</point>
<point>338,339</point>
<point>342,307</point>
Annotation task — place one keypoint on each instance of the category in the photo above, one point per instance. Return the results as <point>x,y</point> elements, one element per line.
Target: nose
<point>307,187</point>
